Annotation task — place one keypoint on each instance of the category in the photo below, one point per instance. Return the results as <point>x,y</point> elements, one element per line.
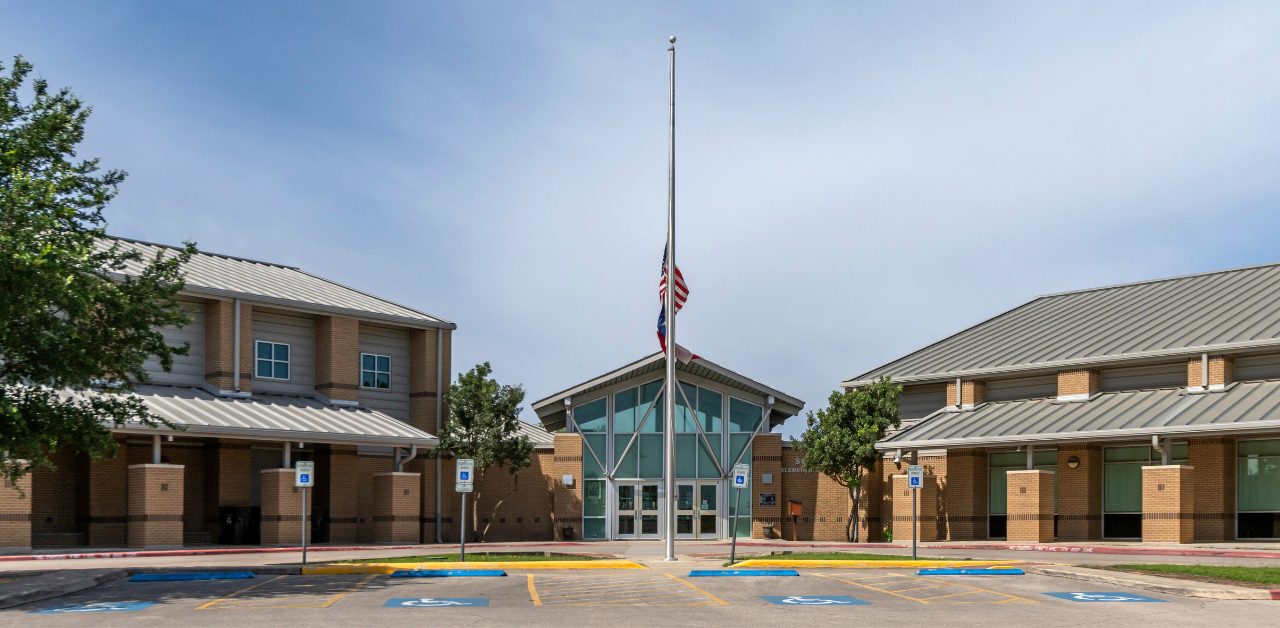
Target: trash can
<point>233,522</point>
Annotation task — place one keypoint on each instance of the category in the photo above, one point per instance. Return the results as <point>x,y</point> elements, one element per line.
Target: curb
<point>869,564</point>
<point>1055,549</point>
<point>364,568</point>
<point>1216,594</point>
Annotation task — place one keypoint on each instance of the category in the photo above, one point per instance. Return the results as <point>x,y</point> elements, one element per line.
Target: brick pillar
<point>107,493</point>
<point>155,506</point>
<point>423,379</point>
<point>1030,503</point>
<point>1222,371</point>
<point>1078,383</point>
<point>339,473</point>
<point>1080,492</point>
<point>972,392</point>
<point>567,502</point>
<point>282,508</point>
<point>966,494</point>
<point>869,506</point>
<point>396,506</point>
<point>926,509</point>
<point>15,516</point>
<point>1214,459</point>
<point>219,344</point>
<point>338,358</point>
<point>246,347</point>
<point>226,480</point>
<point>1168,504</point>
<point>766,458</point>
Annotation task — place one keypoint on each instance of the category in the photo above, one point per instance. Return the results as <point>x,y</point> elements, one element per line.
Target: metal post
<point>304,525</point>
<point>287,446</point>
<point>914,492</point>
<point>439,394</point>
<point>235,368</point>
<point>155,449</point>
<point>733,545</point>
<point>669,403</point>
<point>463,533</point>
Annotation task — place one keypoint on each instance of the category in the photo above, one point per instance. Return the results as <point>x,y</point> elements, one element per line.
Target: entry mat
<point>970,572</point>
<point>447,573</point>
<point>743,572</point>
<point>213,575</point>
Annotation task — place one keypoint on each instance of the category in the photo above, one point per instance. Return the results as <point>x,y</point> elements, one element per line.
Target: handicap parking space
<point>123,596</point>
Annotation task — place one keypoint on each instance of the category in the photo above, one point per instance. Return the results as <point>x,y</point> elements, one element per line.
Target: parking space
<point>644,589</point>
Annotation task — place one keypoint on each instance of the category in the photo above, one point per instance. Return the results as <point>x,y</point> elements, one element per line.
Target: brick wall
<point>870,519</point>
<point>366,467</point>
<point>1030,506</point>
<point>219,344</point>
<point>1168,504</point>
<point>1078,382</point>
<point>973,391</point>
<point>423,379</point>
<point>337,358</point>
<point>1080,492</point>
<point>106,493</point>
<point>927,507</point>
<point>964,494</point>
<point>396,507</point>
<point>517,507</point>
<point>1214,459</point>
<point>825,505</point>
<point>567,500</point>
<point>766,457</point>
<point>53,502</point>
<point>15,515</point>
<point>226,479</point>
<point>281,508</point>
<point>338,489</point>
<point>1222,370</point>
<point>155,505</point>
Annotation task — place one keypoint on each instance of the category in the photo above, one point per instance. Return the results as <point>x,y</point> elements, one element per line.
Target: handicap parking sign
<point>813,600</point>
<point>100,607</point>
<point>1104,597</point>
<point>435,602</point>
<point>740,472</point>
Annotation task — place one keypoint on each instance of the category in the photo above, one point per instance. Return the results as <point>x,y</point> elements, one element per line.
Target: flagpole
<point>669,400</point>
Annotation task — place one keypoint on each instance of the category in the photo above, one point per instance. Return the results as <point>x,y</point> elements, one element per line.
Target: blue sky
<point>856,180</point>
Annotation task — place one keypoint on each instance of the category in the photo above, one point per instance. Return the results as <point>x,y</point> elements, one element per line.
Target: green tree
<point>74,328</point>
<point>481,424</point>
<point>840,441</point>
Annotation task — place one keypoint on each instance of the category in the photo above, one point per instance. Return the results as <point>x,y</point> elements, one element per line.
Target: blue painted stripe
<point>743,572</point>
<point>447,573</point>
<point>969,572</point>
<point>212,575</point>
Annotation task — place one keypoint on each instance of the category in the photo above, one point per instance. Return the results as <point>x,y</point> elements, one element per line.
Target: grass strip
<point>1260,575</point>
<point>474,558</point>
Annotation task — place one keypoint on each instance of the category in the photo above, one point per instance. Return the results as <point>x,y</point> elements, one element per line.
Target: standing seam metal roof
<point>1212,311</point>
<point>234,276</point>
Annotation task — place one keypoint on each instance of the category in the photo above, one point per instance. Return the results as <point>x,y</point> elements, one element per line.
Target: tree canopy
<point>840,440</point>
<point>74,329</point>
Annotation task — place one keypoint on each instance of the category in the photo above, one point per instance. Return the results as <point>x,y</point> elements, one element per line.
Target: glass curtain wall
<point>1122,487</point>
<point>592,419</point>
<point>744,418</point>
<point>998,486</point>
<point>1258,486</point>
<point>630,406</point>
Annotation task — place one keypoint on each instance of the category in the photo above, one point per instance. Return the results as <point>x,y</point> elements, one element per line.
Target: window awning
<point>1244,407</point>
<point>272,417</point>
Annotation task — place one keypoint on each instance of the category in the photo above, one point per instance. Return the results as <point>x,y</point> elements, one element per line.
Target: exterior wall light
<point>1073,462</point>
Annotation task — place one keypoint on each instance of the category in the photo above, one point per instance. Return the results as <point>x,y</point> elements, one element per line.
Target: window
<point>375,371</point>
<point>272,360</point>
<point>1258,482</point>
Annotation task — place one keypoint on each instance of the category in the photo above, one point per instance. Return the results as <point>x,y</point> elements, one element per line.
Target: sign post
<point>740,473</point>
<point>915,481</point>
<point>304,477</point>
<point>463,484</point>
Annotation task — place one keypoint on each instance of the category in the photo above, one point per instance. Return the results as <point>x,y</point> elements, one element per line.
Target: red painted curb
<point>1057,549</point>
<point>246,550</point>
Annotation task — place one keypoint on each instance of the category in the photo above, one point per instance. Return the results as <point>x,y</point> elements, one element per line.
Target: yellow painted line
<point>631,599</point>
<point>936,586</point>
<point>695,588</point>
<point>1011,598</point>
<point>614,585</point>
<point>870,564</point>
<point>221,599</point>
<point>672,587</point>
<point>380,568</point>
<point>533,592</point>
<point>348,591</point>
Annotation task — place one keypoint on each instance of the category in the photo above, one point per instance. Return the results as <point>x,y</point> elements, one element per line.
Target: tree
<point>840,441</point>
<point>481,424</point>
<point>74,329</point>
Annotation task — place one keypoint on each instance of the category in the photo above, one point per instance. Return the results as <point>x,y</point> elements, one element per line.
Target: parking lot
<point>598,597</point>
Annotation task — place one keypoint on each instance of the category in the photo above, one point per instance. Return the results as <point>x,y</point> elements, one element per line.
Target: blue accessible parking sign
<point>435,602</point>
<point>1104,597</point>
<point>813,600</point>
<point>100,607</point>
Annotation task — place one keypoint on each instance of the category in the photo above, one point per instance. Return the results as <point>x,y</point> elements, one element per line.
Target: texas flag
<point>681,294</point>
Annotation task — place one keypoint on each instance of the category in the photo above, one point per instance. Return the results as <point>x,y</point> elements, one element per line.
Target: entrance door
<point>637,511</point>
<point>697,510</point>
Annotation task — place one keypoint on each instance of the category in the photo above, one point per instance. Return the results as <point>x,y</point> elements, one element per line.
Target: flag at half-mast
<point>681,293</point>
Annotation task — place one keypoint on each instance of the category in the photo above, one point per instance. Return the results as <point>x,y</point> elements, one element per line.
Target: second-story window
<point>272,360</point>
<point>375,371</point>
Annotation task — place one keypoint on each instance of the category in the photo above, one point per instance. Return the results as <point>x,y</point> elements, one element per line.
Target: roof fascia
<point>314,308</point>
<point>1082,437</point>
<point>281,435</point>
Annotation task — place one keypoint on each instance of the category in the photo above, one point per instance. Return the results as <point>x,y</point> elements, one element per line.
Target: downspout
<point>235,368</point>
<point>959,394</point>
<point>155,449</point>
<point>288,447</point>
<point>1031,457</point>
<point>439,392</point>
<point>1164,450</point>
<point>1204,372</point>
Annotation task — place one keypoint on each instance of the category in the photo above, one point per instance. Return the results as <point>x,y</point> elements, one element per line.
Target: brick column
<point>338,358</point>
<point>282,508</point>
<point>1214,459</point>
<point>766,457</point>
<point>1080,492</point>
<point>155,506</point>
<point>972,392</point>
<point>107,493</point>
<point>1222,371</point>
<point>1030,503</point>
<point>337,478</point>
<point>423,379</point>
<point>1168,504</point>
<point>1078,383</point>
<point>966,494</point>
<point>226,481</point>
<point>396,507</point>
<point>869,526</point>
<point>926,509</point>
<point>219,344</point>
<point>567,502</point>
<point>15,516</point>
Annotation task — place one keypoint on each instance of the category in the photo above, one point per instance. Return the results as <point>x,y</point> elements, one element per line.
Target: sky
<point>855,180</point>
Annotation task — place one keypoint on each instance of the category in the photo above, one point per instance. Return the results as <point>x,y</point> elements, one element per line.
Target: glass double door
<point>637,511</point>
<point>698,510</point>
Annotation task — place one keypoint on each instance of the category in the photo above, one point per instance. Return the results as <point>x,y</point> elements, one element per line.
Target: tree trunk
<point>855,493</point>
<point>515,486</point>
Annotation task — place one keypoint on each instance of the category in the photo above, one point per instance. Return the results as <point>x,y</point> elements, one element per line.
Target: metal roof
<point>551,409</point>
<point>1220,311</point>
<point>226,276</point>
<point>1127,415</point>
<point>272,417</point>
<point>541,439</point>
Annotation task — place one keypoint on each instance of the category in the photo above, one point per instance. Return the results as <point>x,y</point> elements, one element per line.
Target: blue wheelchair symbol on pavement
<point>813,600</point>
<point>1104,597</point>
<point>100,607</point>
<point>435,602</point>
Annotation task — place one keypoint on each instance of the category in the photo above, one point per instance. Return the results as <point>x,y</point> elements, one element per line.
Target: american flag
<point>681,294</point>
